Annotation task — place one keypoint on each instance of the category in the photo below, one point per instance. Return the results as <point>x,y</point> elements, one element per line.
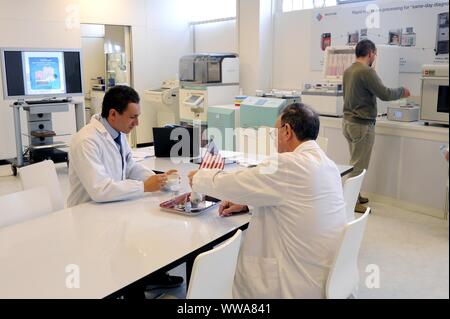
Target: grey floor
<point>404,254</point>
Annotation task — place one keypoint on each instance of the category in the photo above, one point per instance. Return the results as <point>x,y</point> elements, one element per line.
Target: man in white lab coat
<point>102,168</point>
<point>298,212</point>
<point>101,165</point>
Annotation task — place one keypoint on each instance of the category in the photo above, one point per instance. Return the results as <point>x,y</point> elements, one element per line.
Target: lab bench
<point>407,168</point>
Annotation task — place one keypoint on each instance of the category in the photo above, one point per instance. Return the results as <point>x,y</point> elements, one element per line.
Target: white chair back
<point>21,206</point>
<point>343,278</point>
<point>213,271</point>
<point>43,174</point>
<point>351,188</point>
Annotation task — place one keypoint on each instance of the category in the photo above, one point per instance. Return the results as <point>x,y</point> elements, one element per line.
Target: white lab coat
<point>95,170</point>
<point>296,223</point>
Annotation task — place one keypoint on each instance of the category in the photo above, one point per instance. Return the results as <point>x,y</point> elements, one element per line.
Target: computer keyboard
<point>53,101</point>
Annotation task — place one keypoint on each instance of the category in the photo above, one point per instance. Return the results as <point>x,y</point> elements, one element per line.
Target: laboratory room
<point>258,150</point>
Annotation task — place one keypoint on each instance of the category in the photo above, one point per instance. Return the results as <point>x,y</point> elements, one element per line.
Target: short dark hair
<point>303,120</point>
<point>117,98</point>
<point>364,47</point>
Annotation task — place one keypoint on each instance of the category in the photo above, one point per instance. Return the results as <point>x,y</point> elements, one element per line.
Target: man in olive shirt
<point>362,86</point>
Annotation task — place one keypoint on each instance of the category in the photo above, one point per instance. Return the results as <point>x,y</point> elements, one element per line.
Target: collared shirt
<point>114,134</point>
<point>117,136</point>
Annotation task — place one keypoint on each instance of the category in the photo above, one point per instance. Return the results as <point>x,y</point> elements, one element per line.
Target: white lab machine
<point>327,97</point>
<point>210,68</point>
<point>195,101</point>
<point>434,97</point>
<point>401,112</point>
<point>291,96</point>
<point>165,101</point>
<point>207,80</point>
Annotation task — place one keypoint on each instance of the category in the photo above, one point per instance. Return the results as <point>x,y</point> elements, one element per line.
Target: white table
<point>112,245</point>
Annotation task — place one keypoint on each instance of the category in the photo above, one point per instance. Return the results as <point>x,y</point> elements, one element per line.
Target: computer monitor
<point>41,73</point>
<point>176,141</point>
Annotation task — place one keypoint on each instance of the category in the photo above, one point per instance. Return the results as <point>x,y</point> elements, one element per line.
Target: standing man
<point>298,212</point>
<point>362,86</point>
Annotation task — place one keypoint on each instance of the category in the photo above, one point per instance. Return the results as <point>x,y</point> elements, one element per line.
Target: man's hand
<point>170,172</point>
<point>156,182</point>
<point>406,93</point>
<point>228,208</point>
<point>191,177</point>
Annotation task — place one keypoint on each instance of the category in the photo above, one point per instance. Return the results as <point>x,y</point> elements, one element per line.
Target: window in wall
<point>293,5</point>
<point>207,10</point>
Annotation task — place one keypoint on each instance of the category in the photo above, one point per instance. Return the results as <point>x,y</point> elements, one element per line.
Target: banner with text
<point>419,28</point>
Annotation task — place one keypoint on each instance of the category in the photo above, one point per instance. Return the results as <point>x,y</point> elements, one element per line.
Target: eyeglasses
<point>274,132</point>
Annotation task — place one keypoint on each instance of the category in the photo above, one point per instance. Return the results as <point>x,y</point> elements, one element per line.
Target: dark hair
<point>364,47</point>
<point>303,120</point>
<point>117,98</point>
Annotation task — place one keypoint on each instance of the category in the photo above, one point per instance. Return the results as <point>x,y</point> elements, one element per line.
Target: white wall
<point>249,44</point>
<point>40,24</point>
<point>292,42</point>
<point>216,37</point>
<point>93,61</point>
<point>160,36</point>
<point>255,44</point>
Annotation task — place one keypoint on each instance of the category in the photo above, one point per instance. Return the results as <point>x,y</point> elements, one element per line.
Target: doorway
<point>107,62</point>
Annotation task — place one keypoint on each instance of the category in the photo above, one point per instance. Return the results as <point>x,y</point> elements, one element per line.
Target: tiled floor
<point>409,251</point>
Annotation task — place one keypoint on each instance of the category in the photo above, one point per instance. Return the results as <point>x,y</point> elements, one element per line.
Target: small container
<point>238,100</point>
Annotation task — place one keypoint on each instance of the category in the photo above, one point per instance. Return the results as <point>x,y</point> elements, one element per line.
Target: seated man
<point>101,165</point>
<point>298,212</point>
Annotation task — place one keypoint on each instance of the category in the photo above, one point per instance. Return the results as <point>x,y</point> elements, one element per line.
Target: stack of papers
<point>143,153</point>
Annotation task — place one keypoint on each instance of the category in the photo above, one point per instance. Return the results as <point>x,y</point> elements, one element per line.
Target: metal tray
<point>182,205</point>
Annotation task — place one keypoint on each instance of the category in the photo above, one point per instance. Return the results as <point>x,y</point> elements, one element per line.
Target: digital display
<point>193,99</point>
<point>398,114</point>
<point>44,73</point>
<point>31,73</point>
<point>261,102</point>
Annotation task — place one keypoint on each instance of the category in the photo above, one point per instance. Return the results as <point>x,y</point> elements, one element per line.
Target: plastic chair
<point>343,279</point>
<point>213,271</point>
<point>323,143</point>
<point>352,187</point>
<point>24,205</point>
<point>43,174</point>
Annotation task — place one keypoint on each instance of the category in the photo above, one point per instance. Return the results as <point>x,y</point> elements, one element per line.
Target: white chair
<point>351,188</point>
<point>343,279</point>
<point>323,143</point>
<point>43,174</point>
<point>24,205</point>
<point>213,271</point>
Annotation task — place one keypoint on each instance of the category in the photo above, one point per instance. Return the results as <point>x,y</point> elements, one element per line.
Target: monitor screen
<point>193,99</point>
<point>32,73</point>
<point>44,73</point>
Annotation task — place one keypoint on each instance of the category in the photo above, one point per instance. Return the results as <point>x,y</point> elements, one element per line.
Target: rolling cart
<point>42,140</point>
